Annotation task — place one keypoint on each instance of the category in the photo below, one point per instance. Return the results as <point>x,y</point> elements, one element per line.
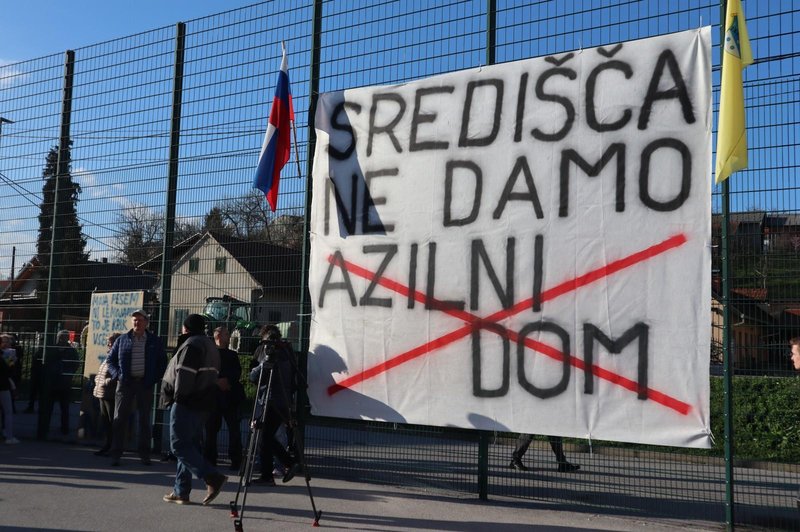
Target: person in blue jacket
<point>137,361</point>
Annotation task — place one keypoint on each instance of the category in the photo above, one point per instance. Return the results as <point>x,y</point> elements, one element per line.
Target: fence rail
<point>138,152</point>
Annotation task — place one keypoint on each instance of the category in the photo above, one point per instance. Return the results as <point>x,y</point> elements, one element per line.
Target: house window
<point>219,265</point>
<point>179,316</point>
<point>194,265</point>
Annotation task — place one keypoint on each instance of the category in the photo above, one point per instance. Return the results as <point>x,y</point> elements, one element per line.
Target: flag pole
<point>296,152</point>
<point>727,363</point>
<point>294,134</point>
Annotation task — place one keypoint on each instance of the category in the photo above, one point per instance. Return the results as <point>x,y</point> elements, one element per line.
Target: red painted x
<point>473,322</point>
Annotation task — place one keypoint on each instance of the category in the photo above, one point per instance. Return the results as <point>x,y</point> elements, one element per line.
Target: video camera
<point>272,343</point>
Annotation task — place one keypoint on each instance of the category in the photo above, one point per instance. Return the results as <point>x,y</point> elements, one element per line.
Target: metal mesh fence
<point>153,154</point>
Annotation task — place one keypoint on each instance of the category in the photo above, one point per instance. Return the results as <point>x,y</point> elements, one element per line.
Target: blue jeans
<point>185,440</point>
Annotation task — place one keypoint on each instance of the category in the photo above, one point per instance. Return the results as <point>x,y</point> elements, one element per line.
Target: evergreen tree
<point>70,245</point>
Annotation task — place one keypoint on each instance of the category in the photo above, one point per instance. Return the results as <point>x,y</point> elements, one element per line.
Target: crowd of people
<point>50,383</point>
<point>201,386</point>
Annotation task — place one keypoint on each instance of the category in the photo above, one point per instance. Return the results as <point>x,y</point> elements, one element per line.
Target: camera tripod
<point>257,424</point>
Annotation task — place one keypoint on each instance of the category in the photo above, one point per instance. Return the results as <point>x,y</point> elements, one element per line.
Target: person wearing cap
<point>189,389</point>
<point>137,361</point>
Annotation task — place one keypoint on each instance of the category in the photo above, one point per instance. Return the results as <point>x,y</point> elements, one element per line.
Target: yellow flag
<point>731,135</point>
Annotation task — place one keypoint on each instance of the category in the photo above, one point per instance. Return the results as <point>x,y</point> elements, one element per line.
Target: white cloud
<point>10,75</point>
<point>85,177</point>
<point>94,189</point>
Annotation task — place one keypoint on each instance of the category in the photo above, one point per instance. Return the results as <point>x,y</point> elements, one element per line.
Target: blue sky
<point>34,28</point>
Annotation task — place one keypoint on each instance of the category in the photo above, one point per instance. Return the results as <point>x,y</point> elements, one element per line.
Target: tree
<point>142,231</point>
<point>142,234</point>
<point>248,217</point>
<point>287,231</point>
<point>72,243</point>
<point>69,239</point>
<point>215,222</point>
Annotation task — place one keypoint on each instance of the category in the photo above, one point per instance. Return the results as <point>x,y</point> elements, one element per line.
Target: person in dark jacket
<point>230,395</point>
<point>34,394</point>
<point>60,366</point>
<point>276,356</point>
<point>137,361</point>
<point>8,361</point>
<point>189,388</point>
<point>16,370</point>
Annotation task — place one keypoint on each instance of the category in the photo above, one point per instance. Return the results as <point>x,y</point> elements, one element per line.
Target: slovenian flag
<point>277,141</point>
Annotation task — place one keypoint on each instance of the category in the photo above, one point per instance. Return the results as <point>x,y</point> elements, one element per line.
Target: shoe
<point>115,462</point>
<point>566,467</point>
<point>214,484</point>
<point>101,452</point>
<point>177,499</point>
<point>168,457</point>
<point>291,472</point>
<point>517,464</point>
<point>264,481</point>
<point>146,460</point>
<point>12,441</point>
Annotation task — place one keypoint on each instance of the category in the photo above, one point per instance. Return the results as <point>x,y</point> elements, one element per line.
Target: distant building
<point>264,278</point>
<point>22,305</point>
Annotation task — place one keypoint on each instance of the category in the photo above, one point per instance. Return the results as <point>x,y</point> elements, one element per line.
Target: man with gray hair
<point>137,360</point>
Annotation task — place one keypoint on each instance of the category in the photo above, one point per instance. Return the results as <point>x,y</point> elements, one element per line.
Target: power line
<point>28,193</point>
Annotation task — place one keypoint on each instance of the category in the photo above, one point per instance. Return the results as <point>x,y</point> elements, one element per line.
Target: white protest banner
<point>110,313</point>
<point>521,247</point>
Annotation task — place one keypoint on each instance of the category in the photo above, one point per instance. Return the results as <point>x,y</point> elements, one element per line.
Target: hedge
<point>766,418</point>
<point>766,414</point>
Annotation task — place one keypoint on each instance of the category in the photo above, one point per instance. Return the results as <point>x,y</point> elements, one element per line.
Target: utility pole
<point>4,121</point>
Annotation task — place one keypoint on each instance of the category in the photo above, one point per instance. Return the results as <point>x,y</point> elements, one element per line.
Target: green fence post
<point>727,365</point>
<point>483,438</point>
<point>305,307</point>
<point>172,182</point>
<point>483,465</point>
<point>62,169</point>
<point>491,30</point>
<point>169,212</point>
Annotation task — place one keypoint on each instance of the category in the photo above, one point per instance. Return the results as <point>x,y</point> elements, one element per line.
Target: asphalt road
<point>56,485</point>
<point>60,486</point>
